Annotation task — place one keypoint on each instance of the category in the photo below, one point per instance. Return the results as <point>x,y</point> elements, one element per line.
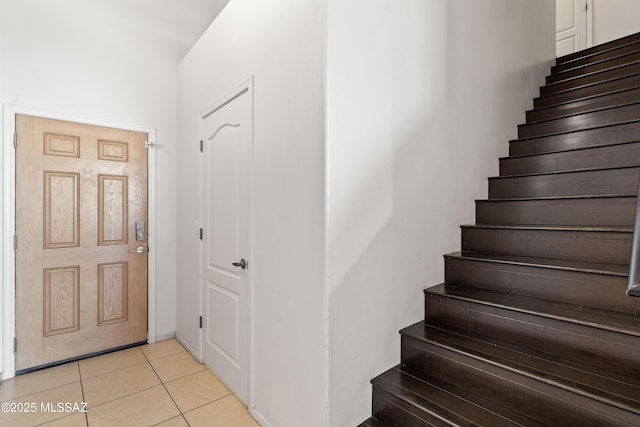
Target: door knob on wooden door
<point>139,250</point>
<point>242,264</point>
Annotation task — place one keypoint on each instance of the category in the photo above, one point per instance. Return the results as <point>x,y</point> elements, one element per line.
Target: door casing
<point>7,308</point>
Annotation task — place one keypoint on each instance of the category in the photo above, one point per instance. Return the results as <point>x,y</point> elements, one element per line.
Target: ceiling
<point>179,23</point>
<point>175,25</point>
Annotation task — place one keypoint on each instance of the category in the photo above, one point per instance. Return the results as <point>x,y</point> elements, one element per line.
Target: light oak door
<point>226,133</point>
<point>80,286</point>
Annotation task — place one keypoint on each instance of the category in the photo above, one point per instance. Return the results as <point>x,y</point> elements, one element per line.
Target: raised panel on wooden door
<point>61,300</point>
<point>112,210</point>
<point>61,209</point>
<point>113,291</point>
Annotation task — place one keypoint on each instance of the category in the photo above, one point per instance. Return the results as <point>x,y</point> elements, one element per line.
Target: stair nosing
<point>561,172</point>
<point>543,314</point>
<point>591,73</point>
<point>584,98</point>
<point>524,370</point>
<point>555,72</point>
<point>595,110</point>
<point>583,86</point>
<point>380,381</point>
<point>546,135</point>
<point>541,97</point>
<point>569,150</point>
<point>530,138</point>
<point>584,228</point>
<point>599,196</point>
<point>495,258</point>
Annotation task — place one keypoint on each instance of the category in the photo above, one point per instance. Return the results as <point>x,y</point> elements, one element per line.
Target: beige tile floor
<point>153,385</point>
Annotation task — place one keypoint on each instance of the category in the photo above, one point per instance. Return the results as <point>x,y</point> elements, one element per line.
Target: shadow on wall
<point>433,99</point>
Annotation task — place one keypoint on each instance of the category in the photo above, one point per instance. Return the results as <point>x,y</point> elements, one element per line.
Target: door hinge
<point>15,345</point>
<point>15,242</point>
<point>200,322</point>
<point>201,146</point>
<point>15,140</point>
<point>201,233</point>
<point>586,6</point>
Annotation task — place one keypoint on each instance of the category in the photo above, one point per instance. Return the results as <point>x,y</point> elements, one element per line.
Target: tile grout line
<point>169,394</point>
<point>86,414</point>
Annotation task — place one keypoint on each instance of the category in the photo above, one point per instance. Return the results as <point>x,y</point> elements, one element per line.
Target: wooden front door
<point>80,286</point>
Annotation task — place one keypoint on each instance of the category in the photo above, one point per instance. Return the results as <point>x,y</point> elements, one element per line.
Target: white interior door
<point>226,132</point>
<point>571,26</point>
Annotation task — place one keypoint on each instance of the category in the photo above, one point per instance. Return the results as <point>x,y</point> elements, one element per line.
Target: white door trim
<point>589,23</point>
<point>247,86</point>
<point>7,308</point>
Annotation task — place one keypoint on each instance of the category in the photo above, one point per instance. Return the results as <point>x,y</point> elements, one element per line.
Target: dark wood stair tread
<point>586,267</point>
<point>603,117</point>
<point>587,80</point>
<point>588,138</point>
<point>445,402</point>
<point>552,228</point>
<point>604,47</point>
<point>607,64</point>
<point>599,319</point>
<point>600,385</point>
<point>597,181</point>
<point>588,104</point>
<point>596,58</point>
<point>587,92</point>
<point>568,150</point>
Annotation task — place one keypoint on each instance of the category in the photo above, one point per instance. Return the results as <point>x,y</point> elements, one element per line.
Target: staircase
<point>532,326</point>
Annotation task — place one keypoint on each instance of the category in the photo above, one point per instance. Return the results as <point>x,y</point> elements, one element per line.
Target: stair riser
<point>619,134</point>
<point>546,404</point>
<point>613,116</point>
<point>431,403</point>
<point>609,156</point>
<point>594,67</point>
<point>589,346</point>
<point>606,212</point>
<point>594,90</point>
<point>579,107</point>
<point>606,47</point>
<point>621,182</point>
<point>590,79</point>
<point>584,246</point>
<point>572,287</point>
<point>598,57</point>
<point>393,412</point>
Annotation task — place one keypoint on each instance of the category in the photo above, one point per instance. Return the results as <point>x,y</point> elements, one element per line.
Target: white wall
<point>613,19</point>
<point>280,43</point>
<point>87,60</point>
<point>422,97</point>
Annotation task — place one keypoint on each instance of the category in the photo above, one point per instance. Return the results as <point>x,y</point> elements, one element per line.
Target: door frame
<point>245,86</point>
<point>7,308</point>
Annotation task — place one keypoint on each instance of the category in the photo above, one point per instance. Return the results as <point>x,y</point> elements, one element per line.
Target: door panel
<point>227,136</point>
<point>79,191</point>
